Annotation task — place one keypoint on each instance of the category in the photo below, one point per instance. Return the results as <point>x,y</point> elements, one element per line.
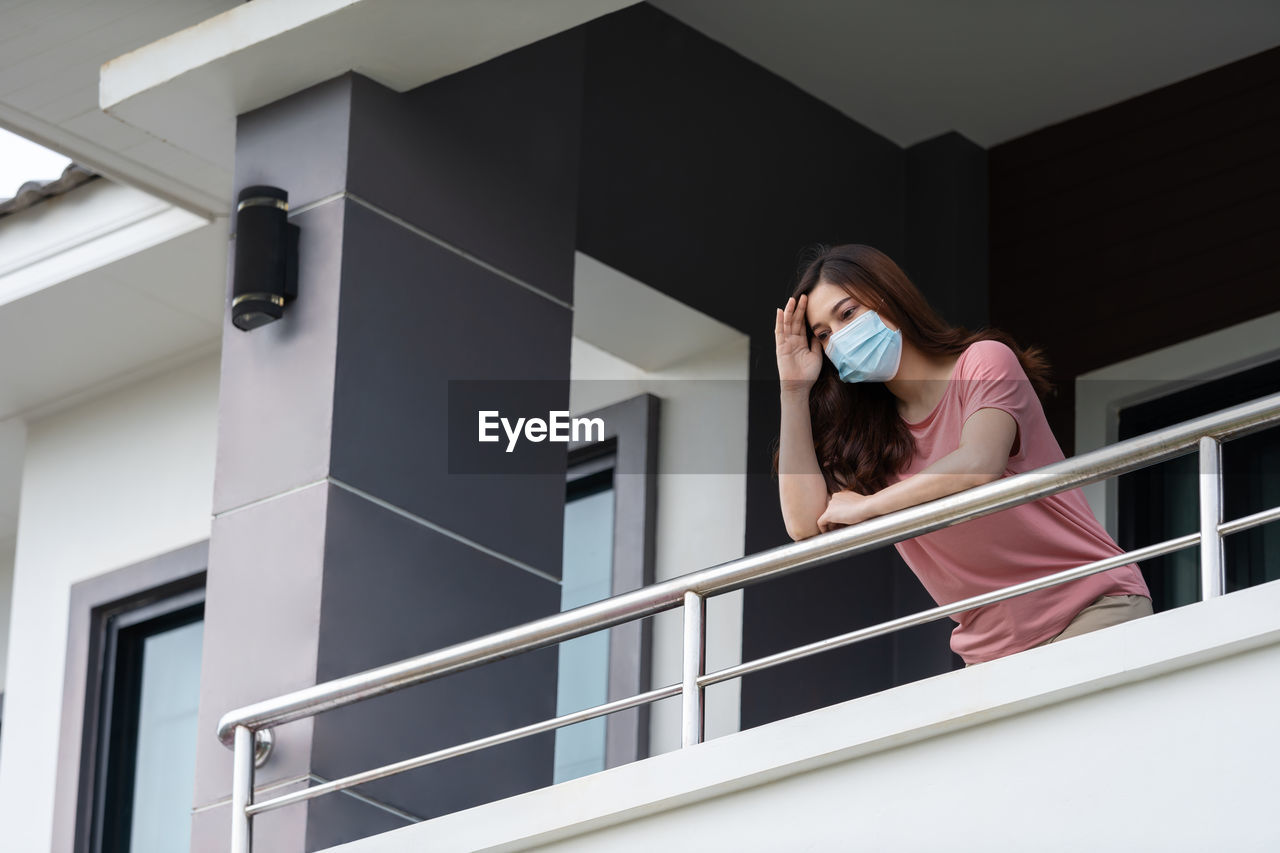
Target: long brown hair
<point>858,434</point>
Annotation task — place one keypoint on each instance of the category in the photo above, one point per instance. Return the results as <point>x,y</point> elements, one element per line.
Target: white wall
<point>629,339</point>
<point>12,440</point>
<point>702,441</point>
<point>7,545</point>
<point>106,484</point>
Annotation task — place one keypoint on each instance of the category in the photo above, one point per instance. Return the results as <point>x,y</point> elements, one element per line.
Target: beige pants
<point>1105,611</point>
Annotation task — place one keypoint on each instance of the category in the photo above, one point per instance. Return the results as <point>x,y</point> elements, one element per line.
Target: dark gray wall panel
<point>414,316</point>
<point>262,616</point>
<point>947,235</point>
<point>703,174</point>
<point>276,387</point>
<point>486,159</point>
<point>394,589</point>
<point>280,830</point>
<point>813,605</point>
<point>924,650</point>
<point>341,817</point>
<point>310,128</point>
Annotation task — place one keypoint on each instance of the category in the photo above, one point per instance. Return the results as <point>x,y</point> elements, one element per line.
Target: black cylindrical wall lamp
<point>266,263</point>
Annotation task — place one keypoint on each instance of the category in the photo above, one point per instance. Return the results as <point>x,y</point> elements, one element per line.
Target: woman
<point>885,406</point>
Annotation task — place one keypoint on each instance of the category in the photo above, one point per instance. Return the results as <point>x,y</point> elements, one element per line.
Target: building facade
<point>595,208</point>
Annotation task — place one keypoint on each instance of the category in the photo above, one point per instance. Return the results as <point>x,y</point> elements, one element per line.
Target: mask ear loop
<point>877,354</point>
<point>881,312</point>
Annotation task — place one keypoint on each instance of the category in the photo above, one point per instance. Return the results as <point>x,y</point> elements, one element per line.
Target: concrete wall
<point>702,445</point>
<point>105,484</point>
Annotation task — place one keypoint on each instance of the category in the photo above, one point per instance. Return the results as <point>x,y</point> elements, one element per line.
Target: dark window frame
<point>629,447</point>
<point>146,587</point>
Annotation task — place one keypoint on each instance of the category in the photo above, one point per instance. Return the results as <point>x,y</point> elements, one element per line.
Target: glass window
<point>584,661</point>
<point>609,535</point>
<point>150,683</point>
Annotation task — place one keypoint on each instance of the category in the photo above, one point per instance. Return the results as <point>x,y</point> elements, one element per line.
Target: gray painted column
<point>947,226</point>
<point>437,239</point>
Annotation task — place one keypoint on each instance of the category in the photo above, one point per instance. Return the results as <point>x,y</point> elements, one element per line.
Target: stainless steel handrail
<point>1203,433</point>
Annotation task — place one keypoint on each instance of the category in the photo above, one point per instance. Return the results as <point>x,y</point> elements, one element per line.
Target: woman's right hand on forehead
<point>799,357</point>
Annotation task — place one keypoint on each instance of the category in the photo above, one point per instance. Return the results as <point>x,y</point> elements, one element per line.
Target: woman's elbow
<point>981,478</point>
<point>805,533</point>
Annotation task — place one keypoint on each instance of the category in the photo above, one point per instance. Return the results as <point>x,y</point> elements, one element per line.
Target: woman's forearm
<point>955,472</point>
<point>802,490</point>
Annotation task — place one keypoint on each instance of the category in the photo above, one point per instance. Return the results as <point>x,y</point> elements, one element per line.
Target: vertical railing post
<point>1211,551</point>
<point>242,791</point>
<point>695,664</point>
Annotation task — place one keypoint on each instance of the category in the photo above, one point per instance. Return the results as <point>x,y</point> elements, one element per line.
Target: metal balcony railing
<point>246,728</point>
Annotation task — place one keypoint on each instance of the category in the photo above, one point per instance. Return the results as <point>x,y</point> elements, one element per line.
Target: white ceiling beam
<point>188,88</point>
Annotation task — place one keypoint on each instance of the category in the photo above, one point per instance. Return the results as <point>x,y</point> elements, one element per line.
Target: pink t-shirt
<point>1028,541</point>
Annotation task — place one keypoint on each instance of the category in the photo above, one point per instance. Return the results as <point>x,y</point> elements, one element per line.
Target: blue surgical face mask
<point>866,350</point>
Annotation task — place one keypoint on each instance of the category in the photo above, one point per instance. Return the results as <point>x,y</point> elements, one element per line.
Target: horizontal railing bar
<point>1136,555</point>
<point>997,495</point>
<point>462,749</point>
<point>1246,522</point>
